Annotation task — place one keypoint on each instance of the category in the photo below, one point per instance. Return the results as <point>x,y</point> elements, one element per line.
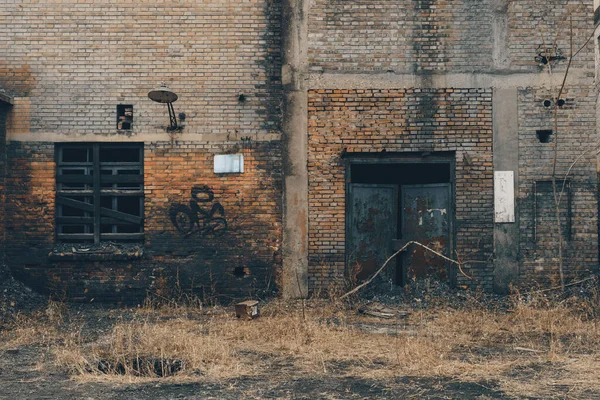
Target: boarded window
<point>100,192</point>
<point>125,117</point>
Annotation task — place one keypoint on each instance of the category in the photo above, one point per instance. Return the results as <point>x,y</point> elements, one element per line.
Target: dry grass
<point>40,328</point>
<point>529,350</point>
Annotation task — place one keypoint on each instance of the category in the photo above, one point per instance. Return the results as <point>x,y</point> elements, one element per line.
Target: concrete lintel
<point>141,137</point>
<point>5,98</point>
<point>500,80</point>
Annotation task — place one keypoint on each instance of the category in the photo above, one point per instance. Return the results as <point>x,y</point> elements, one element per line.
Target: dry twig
<point>365,283</point>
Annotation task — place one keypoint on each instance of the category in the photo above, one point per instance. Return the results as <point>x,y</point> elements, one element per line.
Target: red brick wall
<point>405,121</point>
<point>252,205</point>
<point>204,264</point>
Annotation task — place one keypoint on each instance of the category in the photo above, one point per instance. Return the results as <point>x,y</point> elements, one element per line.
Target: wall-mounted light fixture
<point>168,97</point>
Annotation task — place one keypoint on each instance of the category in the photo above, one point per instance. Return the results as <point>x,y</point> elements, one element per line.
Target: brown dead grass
<point>530,350</point>
<point>42,327</point>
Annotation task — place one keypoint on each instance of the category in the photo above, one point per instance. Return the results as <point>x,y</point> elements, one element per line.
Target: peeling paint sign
<point>504,197</point>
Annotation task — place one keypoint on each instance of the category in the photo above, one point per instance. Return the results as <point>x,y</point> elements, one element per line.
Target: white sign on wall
<point>504,196</point>
<point>229,163</point>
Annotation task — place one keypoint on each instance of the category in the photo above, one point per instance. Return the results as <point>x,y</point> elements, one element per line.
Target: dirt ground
<point>425,347</point>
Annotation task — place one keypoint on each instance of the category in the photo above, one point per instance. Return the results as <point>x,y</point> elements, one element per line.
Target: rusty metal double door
<point>383,217</point>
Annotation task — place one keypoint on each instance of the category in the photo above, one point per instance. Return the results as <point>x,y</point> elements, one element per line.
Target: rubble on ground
<point>16,297</point>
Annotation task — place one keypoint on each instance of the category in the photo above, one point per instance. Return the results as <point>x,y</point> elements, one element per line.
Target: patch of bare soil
<point>523,347</point>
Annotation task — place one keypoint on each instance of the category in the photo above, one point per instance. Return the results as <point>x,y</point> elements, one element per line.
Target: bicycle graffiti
<point>206,219</point>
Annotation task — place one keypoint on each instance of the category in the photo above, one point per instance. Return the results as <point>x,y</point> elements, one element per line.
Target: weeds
<point>529,343</point>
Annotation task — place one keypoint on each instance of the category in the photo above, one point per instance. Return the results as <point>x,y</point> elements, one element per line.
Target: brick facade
<point>530,20</point>
<point>244,260</point>
<point>388,36</point>
<point>68,66</point>
<point>392,78</point>
<point>76,61</point>
<point>576,137</point>
<point>441,36</point>
<point>404,121</point>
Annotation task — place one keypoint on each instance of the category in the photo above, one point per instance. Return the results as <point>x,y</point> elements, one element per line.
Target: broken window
<point>125,117</point>
<point>100,192</point>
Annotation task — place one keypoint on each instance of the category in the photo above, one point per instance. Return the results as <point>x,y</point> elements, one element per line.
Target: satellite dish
<point>168,97</point>
<point>162,95</point>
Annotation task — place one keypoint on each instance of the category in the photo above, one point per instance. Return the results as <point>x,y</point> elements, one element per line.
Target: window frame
<point>98,181</point>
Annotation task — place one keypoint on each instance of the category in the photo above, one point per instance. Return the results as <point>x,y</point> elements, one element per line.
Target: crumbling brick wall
<point>438,35</point>
<point>241,260</point>
<point>400,37</point>
<point>82,61</point>
<point>431,44</point>
<point>576,138</point>
<point>403,121</point>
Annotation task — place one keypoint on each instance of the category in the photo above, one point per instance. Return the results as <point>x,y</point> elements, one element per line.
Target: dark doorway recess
<point>395,199</point>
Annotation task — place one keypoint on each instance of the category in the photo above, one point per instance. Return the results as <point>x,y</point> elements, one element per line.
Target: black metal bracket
<point>172,118</point>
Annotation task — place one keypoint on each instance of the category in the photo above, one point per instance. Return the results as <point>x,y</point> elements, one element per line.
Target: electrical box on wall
<point>229,163</point>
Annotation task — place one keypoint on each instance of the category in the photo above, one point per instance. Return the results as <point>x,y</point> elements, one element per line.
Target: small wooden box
<point>247,309</point>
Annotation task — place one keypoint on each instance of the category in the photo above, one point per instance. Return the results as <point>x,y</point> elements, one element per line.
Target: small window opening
<point>124,117</point>
<point>543,135</point>
<point>240,272</point>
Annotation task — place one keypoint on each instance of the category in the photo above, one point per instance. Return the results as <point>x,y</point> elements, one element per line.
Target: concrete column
<point>500,50</point>
<point>294,41</point>
<point>506,158</point>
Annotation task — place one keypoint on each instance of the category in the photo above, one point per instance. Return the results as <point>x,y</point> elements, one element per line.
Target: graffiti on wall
<point>203,215</point>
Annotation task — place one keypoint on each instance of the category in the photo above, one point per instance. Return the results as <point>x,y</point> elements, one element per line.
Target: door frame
<point>446,157</point>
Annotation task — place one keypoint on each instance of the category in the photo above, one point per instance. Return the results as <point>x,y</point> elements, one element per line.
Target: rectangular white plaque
<point>229,163</point>
<point>504,196</point>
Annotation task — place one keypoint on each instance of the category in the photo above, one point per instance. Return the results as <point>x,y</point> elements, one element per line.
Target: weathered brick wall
<point>406,36</point>
<point>75,61</point>
<point>243,260</point>
<point>577,141</point>
<point>405,121</point>
<point>439,35</point>
<point>30,194</point>
<point>252,205</point>
<point>531,20</point>
<point>68,64</point>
